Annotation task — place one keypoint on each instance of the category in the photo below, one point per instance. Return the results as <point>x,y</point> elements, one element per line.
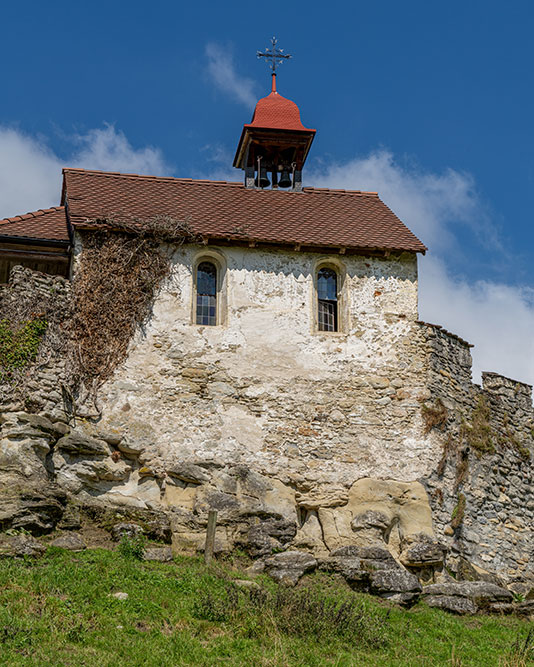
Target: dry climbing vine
<point>121,268</point>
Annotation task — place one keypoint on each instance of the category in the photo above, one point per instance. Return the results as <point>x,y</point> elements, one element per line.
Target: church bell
<point>261,179</point>
<point>285,179</point>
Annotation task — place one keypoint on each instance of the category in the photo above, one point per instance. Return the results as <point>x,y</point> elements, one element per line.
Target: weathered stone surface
<point>466,571</point>
<point>20,546</point>
<point>452,603</point>
<point>188,472</point>
<point>373,508</point>
<point>69,541</point>
<point>160,554</point>
<point>479,591</point>
<point>524,608</point>
<point>290,566</point>
<point>264,536</point>
<point>36,507</point>
<point>422,551</point>
<point>395,584</point>
<point>121,530</point>
<point>43,424</point>
<point>78,444</point>
<point>310,536</point>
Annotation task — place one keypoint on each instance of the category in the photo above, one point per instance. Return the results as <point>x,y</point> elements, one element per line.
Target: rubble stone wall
<point>44,379</point>
<point>487,459</point>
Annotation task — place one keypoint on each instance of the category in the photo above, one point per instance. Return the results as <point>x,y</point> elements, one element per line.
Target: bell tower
<point>275,142</point>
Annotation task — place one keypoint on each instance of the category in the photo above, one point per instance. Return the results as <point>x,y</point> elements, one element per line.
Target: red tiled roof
<point>218,209</point>
<point>277,112</point>
<point>48,223</point>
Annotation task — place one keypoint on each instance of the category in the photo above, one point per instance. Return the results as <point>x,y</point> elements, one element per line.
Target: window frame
<point>342,315</point>
<point>218,261</point>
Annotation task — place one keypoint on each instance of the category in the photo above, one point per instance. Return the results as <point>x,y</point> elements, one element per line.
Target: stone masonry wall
<point>496,530</point>
<point>43,381</point>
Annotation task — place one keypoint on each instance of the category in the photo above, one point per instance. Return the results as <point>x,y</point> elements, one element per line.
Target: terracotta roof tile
<point>48,223</point>
<point>219,209</point>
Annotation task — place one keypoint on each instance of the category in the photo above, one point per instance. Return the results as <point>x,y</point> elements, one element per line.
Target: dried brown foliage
<point>434,416</point>
<point>121,268</point>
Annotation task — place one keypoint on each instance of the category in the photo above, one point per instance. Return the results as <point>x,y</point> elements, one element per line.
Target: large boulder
<point>77,443</point>
<point>466,597</point>
<point>288,567</point>
<point>70,542</point>
<point>374,569</point>
<point>395,584</point>
<point>20,546</point>
<point>452,603</point>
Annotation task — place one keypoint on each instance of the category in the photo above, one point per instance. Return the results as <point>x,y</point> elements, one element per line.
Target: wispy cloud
<point>222,72</point>
<point>30,172</point>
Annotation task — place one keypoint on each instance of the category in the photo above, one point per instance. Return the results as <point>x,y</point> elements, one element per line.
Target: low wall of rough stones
<point>487,462</point>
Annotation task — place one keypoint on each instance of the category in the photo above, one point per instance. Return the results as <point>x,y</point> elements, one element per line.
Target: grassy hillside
<point>60,610</point>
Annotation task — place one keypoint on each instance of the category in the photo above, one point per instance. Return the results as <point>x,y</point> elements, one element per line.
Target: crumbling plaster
<point>266,388</point>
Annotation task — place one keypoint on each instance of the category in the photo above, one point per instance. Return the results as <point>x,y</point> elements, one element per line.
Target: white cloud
<point>108,149</point>
<point>222,72</point>
<point>496,317</point>
<point>30,172</point>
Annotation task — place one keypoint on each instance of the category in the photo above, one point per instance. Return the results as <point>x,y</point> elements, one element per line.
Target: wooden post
<point>210,536</point>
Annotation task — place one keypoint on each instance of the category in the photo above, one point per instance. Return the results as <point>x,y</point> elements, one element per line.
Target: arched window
<point>327,300</point>
<point>206,294</point>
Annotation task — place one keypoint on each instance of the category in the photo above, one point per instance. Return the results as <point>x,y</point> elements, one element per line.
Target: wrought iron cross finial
<point>274,55</point>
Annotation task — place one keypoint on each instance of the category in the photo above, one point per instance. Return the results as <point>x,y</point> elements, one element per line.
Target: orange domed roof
<point>277,112</point>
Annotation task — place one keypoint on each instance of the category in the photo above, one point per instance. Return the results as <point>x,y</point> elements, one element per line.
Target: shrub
<point>434,416</point>
<point>132,547</point>
<point>19,346</point>
<point>305,612</point>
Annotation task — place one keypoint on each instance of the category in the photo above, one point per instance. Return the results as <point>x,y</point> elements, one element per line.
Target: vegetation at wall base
<point>61,610</point>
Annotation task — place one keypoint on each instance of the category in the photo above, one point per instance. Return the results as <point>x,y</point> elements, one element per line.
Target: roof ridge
<point>119,174</point>
<point>310,188</point>
<point>32,214</point>
<point>208,181</point>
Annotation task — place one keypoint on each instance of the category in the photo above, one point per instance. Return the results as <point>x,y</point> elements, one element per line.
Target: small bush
<point>19,346</point>
<point>299,612</point>
<point>458,513</point>
<point>479,434</point>
<point>435,416</point>
<point>132,547</point>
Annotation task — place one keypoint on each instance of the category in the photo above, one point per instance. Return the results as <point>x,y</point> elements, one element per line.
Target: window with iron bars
<point>327,300</point>
<point>206,294</point>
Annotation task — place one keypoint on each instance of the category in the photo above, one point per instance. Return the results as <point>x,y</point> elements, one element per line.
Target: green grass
<point>58,611</point>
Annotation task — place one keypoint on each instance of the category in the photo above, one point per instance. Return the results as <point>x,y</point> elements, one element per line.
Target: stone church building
<point>284,377</point>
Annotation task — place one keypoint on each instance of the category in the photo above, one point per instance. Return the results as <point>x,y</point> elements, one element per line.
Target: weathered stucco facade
<point>265,387</point>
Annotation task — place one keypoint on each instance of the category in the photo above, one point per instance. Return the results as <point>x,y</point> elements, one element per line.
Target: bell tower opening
<point>274,146</point>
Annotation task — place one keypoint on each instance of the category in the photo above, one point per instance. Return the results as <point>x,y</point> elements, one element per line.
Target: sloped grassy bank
<point>61,610</point>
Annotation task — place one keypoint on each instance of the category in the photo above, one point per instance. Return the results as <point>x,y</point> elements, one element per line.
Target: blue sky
<point>430,103</point>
